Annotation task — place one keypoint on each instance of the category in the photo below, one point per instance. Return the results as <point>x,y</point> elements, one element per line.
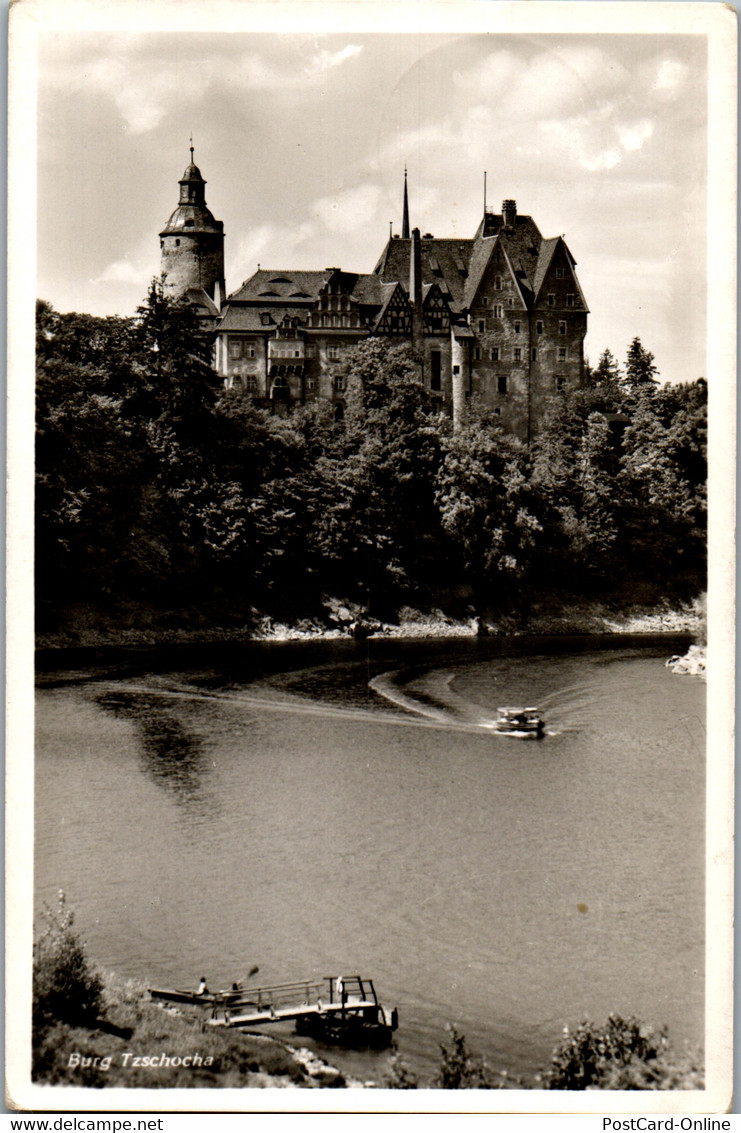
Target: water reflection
<point>170,751</point>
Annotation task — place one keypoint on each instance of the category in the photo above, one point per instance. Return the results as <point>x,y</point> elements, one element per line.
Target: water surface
<point>320,808</point>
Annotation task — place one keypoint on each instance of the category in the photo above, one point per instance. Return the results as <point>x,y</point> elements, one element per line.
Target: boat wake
<point>432,697</point>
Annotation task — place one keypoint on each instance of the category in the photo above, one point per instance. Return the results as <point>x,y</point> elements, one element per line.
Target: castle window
<point>562,326</point>
<point>265,318</point>
<point>497,312</point>
<point>311,383</point>
<point>250,383</point>
<point>339,382</point>
<point>502,383</point>
<point>562,353</point>
<point>494,353</point>
<point>559,273</point>
<point>497,283</point>
<point>534,355</point>
<point>569,300</point>
<point>477,353</point>
<point>560,383</point>
<point>339,412</point>
<point>517,326</point>
<point>435,370</point>
<point>482,326</point>
<point>333,353</point>
<point>177,243</point>
<point>497,412</point>
<point>551,300</point>
<point>484,300</point>
<point>235,349</point>
<point>456,369</point>
<point>539,327</point>
<point>518,354</point>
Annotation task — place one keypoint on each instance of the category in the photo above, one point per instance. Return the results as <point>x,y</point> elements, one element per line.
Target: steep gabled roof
<point>388,293</point>
<point>547,251</point>
<point>444,262</point>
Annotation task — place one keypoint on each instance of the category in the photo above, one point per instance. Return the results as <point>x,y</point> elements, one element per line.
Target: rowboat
<point>525,723</point>
<point>195,998</point>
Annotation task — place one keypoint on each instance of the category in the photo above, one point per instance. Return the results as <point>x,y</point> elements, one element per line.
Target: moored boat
<point>525,723</point>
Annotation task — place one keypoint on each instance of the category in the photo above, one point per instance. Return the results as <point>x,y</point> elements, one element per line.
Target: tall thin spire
<point>405,219</point>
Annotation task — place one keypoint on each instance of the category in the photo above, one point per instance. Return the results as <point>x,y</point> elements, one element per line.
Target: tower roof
<point>192,214</point>
<point>192,172</point>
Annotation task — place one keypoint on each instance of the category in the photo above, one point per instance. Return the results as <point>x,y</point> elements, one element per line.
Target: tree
<point>483,497</point>
<point>379,529</point>
<point>65,988</point>
<point>622,1054</point>
<point>639,367</point>
<point>606,375</point>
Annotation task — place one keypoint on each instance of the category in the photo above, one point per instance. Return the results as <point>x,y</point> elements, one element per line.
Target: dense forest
<point>162,497</point>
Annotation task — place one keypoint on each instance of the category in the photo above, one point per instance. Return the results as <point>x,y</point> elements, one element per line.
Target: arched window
<point>339,411</point>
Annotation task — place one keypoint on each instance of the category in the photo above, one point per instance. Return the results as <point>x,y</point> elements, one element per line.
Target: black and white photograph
<point>370,572</point>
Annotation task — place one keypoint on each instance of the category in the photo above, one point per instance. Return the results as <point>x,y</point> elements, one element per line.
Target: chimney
<point>509,212</point>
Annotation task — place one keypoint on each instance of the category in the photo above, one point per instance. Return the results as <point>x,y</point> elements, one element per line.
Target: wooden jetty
<point>340,1009</point>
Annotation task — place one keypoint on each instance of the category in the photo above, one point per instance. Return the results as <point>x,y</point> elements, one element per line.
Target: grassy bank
<point>137,1043</point>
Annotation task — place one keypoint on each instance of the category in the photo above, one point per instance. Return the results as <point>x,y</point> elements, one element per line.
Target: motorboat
<point>524,723</point>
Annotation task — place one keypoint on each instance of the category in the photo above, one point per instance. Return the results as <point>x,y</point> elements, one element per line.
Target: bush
<point>399,1076</point>
<point>623,1054</point>
<point>459,1069</point>
<point>65,988</point>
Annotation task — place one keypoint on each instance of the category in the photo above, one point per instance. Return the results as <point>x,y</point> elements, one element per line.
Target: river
<point>331,807</point>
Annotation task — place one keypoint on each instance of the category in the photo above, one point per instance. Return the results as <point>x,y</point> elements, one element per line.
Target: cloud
<point>148,86</point>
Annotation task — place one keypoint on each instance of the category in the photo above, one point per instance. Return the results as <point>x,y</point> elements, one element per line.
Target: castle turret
<point>192,242</point>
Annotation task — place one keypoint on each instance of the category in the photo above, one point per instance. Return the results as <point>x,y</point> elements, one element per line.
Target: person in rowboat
<point>202,989</point>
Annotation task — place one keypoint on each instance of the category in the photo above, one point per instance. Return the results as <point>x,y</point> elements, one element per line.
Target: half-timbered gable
<point>436,312</point>
<point>395,317</point>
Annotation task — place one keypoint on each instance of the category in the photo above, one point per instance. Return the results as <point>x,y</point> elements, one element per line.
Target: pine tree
<point>639,366</point>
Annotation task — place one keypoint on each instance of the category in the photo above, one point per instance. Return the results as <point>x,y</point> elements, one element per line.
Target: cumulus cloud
<point>147,88</point>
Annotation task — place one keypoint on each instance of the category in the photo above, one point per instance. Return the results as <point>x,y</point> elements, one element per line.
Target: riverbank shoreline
<point>140,1043</point>
<point>90,631</point>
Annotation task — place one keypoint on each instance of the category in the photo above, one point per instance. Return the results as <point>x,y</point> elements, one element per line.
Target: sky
<point>303,137</point>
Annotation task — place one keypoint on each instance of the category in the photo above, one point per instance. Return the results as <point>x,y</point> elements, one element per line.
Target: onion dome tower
<point>192,242</point>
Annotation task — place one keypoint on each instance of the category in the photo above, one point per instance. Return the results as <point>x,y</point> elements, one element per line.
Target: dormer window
<point>265,318</point>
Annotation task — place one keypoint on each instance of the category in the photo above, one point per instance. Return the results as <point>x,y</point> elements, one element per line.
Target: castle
<point>500,317</point>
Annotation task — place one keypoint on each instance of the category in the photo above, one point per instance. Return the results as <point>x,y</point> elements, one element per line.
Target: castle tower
<point>192,242</point>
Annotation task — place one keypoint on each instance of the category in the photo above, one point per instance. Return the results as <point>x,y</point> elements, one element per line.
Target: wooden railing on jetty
<point>347,996</point>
